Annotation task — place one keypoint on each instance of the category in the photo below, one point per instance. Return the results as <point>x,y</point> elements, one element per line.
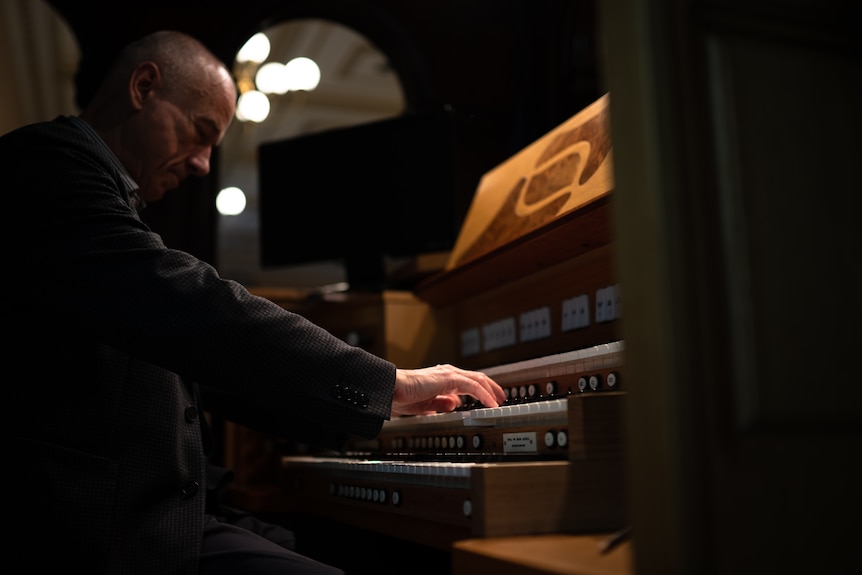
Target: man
<point>116,332</point>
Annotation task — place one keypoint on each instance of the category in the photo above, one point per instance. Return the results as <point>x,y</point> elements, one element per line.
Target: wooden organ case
<point>530,295</point>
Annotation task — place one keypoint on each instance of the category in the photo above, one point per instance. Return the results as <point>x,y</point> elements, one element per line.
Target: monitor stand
<point>365,272</point>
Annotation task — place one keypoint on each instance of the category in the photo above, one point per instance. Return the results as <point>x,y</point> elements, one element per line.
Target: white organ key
<point>430,418</point>
<point>547,407</point>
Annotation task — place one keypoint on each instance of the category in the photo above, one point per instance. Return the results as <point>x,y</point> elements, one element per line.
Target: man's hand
<point>439,388</point>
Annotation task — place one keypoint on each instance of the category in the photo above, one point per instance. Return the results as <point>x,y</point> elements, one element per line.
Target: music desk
<point>554,554</point>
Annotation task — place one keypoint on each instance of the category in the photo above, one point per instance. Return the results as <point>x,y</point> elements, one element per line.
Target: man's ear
<point>145,79</point>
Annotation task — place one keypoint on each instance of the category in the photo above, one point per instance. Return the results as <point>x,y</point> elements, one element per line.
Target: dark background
<point>513,70</point>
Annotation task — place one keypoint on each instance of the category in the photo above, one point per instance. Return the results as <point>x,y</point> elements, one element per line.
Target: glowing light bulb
<point>272,78</point>
<point>256,49</point>
<point>252,106</point>
<point>230,201</point>
<point>303,74</point>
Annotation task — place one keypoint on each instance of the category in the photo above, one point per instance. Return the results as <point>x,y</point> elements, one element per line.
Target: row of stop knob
<point>552,390</point>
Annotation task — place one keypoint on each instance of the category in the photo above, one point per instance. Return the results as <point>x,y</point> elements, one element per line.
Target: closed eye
<point>207,131</point>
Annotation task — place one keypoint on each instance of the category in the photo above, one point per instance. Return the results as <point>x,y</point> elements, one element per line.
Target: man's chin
<point>151,197</point>
<point>155,194</point>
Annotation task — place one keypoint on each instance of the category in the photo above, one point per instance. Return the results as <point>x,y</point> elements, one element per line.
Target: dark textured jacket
<point>110,332</point>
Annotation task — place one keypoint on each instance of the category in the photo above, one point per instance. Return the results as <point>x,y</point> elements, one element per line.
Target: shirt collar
<point>131,184</point>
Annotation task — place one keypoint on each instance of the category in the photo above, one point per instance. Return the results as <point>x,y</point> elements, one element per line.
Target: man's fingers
<point>481,387</point>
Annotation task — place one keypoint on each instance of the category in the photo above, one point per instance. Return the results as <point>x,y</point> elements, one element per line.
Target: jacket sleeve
<point>120,285</point>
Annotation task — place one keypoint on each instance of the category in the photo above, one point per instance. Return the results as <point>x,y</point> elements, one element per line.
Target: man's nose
<point>199,162</point>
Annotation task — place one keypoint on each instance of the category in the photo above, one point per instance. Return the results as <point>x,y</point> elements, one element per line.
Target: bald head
<point>183,62</point>
<point>164,104</point>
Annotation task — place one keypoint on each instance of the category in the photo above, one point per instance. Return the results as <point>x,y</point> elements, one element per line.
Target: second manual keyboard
<point>535,422</point>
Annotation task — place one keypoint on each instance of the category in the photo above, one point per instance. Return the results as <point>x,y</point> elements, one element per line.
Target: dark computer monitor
<point>360,194</point>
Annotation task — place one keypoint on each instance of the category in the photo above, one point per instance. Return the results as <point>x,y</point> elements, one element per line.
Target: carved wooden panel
<point>565,169</point>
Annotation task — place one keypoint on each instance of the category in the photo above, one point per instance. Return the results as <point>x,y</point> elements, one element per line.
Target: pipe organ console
<point>541,465</point>
<point>530,297</point>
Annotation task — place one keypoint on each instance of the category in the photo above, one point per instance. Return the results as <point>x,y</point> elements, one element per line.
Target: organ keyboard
<point>532,422</point>
<point>534,465</point>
